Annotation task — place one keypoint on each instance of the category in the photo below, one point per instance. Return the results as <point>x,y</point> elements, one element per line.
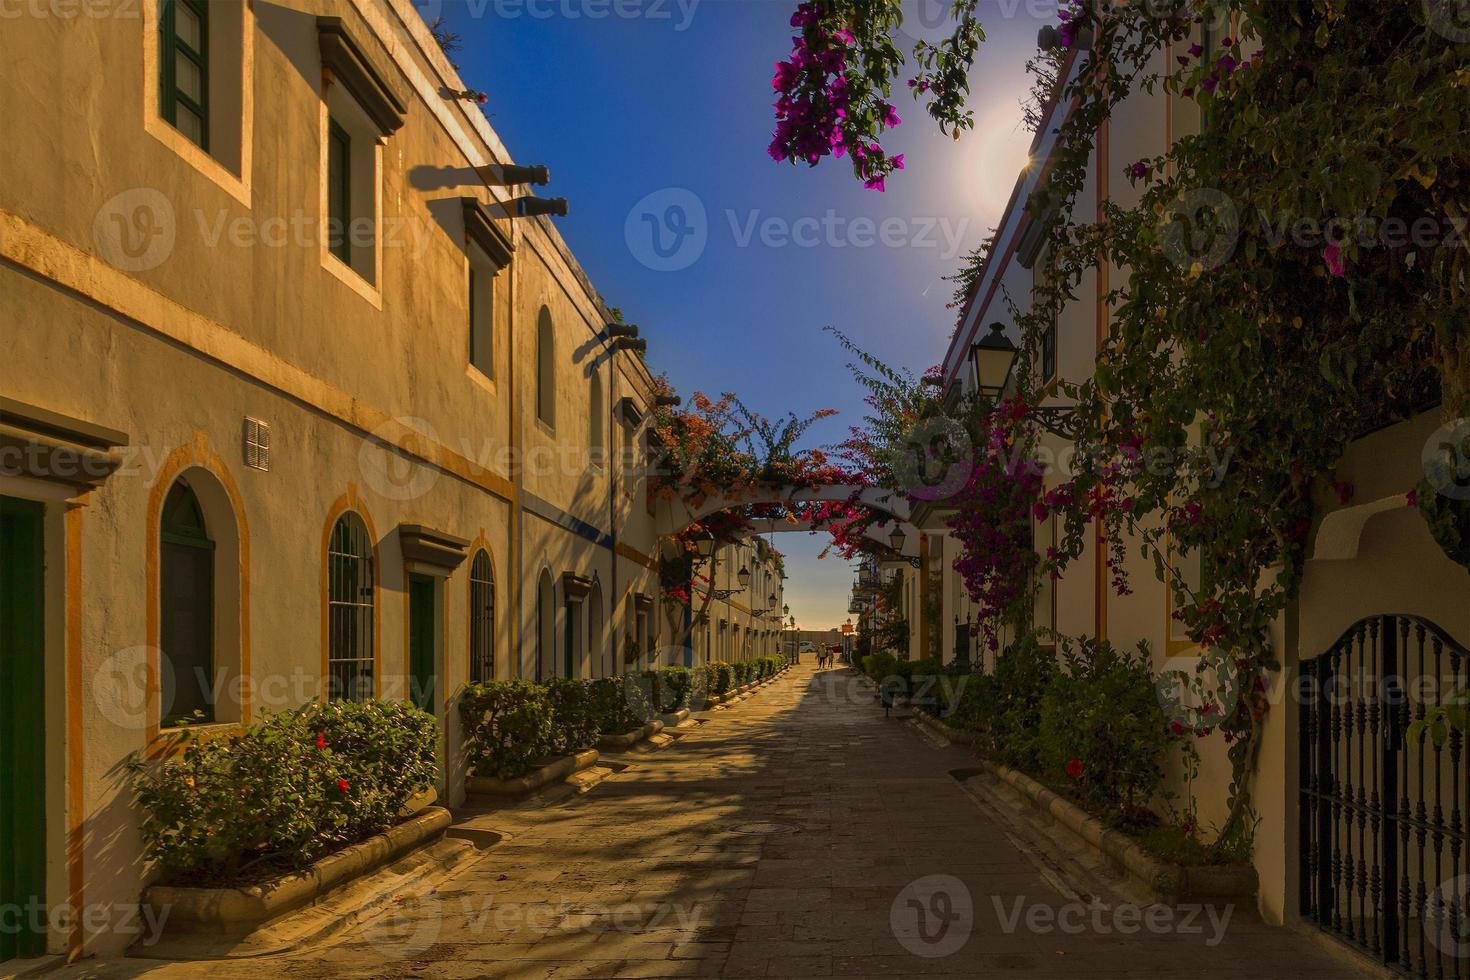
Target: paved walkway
<point>796,834</point>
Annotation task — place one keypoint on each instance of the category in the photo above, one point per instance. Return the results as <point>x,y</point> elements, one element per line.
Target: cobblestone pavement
<point>796,834</point>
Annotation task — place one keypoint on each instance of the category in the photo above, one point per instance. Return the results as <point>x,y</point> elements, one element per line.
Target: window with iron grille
<point>351,601</point>
<point>183,67</point>
<point>482,618</point>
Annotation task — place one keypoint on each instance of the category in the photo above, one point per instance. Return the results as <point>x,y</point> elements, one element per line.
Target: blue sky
<point>654,116</point>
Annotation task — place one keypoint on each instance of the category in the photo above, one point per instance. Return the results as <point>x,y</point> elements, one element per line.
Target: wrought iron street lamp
<point>704,547</point>
<point>743,576</point>
<point>896,537</point>
<point>994,358</point>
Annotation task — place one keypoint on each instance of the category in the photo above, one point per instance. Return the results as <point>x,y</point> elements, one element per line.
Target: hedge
<point>284,792</point>
<point>511,727</point>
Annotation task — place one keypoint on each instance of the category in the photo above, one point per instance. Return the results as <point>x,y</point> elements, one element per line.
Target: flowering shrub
<point>1102,731</point>
<point>574,715</point>
<point>286,791</point>
<point>832,91</point>
<point>507,726</point>
<point>992,519</point>
<point>719,678</point>
<point>620,704</point>
<point>670,687</point>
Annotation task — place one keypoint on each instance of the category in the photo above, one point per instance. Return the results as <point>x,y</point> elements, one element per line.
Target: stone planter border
<point>558,768</point>
<point>1166,882</point>
<point>956,736</point>
<point>675,718</point>
<point>237,910</point>
<point>631,738</point>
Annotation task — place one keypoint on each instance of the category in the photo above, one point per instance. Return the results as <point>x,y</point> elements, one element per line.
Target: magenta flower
<point>1332,255</point>
<point>1139,170</point>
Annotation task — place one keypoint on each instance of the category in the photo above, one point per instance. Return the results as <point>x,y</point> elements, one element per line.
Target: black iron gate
<point>1382,814</point>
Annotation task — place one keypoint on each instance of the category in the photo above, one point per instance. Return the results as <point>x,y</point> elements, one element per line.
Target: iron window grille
<point>351,603</point>
<point>482,618</point>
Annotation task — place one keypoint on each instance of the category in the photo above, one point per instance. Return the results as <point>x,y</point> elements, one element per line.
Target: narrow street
<point>796,834</point>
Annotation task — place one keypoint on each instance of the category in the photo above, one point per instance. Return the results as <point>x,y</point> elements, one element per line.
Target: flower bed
<point>515,727</point>
<point>1090,728</point>
<point>285,792</point>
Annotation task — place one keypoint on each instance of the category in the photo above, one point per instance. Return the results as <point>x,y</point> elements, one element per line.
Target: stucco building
<point>305,396</point>
<point>1375,581</point>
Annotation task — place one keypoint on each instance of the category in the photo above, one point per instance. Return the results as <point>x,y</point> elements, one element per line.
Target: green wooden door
<point>422,617</point>
<point>573,630</point>
<point>22,726</point>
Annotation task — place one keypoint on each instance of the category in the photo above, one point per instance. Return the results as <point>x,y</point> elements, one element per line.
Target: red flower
<point>342,785</point>
<point>1176,726</point>
<point>321,740</point>
<point>1074,769</point>
<point>1332,255</point>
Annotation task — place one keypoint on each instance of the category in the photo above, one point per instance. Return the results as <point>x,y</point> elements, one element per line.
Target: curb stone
<point>558,768</point>
<point>241,909</point>
<point>617,743</point>
<point>1166,882</point>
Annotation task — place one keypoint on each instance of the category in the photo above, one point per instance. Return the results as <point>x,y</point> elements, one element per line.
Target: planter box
<point>240,910</point>
<point>558,768</point>
<point>673,719</point>
<point>627,740</point>
<point>1168,883</point>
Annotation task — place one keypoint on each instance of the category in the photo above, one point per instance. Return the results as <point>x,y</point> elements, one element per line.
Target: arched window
<point>545,370</point>
<point>351,600</point>
<point>482,618</point>
<point>186,596</point>
<point>596,418</point>
<point>545,627</point>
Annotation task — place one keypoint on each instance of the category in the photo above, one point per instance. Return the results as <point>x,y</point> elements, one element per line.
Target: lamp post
<point>993,358</point>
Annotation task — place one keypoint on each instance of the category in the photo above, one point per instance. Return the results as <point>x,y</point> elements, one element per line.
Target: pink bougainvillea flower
<point>1195,50</point>
<point>898,162</point>
<point>1138,171</point>
<point>1332,255</point>
<point>1074,769</point>
<point>1176,726</point>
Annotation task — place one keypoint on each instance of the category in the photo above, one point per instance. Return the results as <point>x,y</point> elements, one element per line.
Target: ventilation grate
<point>257,444</point>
